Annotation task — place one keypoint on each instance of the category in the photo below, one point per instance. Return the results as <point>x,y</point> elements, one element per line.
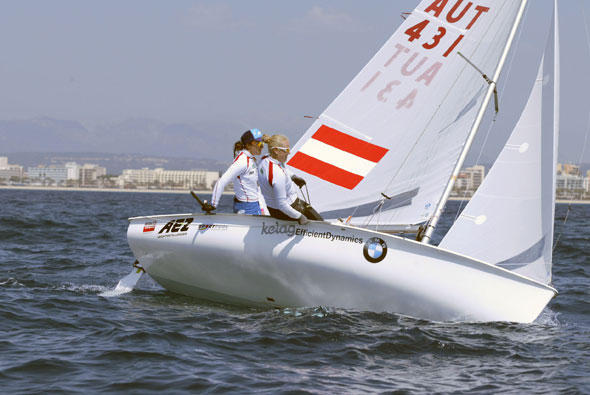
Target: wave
<point>11,282</point>
<point>82,289</point>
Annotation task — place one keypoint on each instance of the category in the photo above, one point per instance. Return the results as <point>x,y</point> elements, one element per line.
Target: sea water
<point>59,250</point>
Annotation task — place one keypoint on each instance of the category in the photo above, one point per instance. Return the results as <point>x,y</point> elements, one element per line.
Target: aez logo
<point>176,225</point>
<point>375,250</point>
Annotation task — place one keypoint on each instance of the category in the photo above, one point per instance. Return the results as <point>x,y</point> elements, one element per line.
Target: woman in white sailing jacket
<point>279,185</point>
<point>244,174</point>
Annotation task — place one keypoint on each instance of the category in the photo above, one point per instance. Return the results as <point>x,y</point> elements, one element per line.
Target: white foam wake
<point>125,285</point>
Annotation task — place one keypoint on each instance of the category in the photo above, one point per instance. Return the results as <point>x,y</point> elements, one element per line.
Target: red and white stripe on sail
<point>337,157</point>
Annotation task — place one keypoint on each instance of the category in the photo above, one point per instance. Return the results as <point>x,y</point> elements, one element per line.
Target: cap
<point>251,135</point>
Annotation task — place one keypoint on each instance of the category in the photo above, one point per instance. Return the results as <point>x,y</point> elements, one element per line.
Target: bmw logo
<point>375,250</point>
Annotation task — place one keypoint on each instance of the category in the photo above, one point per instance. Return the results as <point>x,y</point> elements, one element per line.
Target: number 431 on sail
<point>453,16</point>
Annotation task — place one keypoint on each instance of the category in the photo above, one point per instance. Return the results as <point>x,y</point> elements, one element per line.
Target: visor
<point>251,135</point>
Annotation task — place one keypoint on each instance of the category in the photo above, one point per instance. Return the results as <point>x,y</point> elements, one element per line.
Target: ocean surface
<point>59,250</point>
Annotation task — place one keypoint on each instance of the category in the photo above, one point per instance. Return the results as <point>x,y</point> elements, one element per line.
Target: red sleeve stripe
<point>270,173</point>
<point>350,144</point>
<point>237,157</point>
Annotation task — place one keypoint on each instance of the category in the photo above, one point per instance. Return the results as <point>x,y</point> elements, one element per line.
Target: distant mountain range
<point>146,137</point>
<point>132,143</point>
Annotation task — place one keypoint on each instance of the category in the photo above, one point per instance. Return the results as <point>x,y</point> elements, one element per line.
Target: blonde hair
<point>276,140</point>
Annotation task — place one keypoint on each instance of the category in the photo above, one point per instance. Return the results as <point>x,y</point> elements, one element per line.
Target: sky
<point>258,63</point>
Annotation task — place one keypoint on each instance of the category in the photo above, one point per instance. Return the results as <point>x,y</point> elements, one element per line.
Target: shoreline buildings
<point>10,172</point>
<point>70,174</point>
<point>570,184</point>
<point>468,180</point>
<point>160,178</point>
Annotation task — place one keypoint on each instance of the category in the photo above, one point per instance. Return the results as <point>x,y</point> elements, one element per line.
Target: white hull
<point>262,261</point>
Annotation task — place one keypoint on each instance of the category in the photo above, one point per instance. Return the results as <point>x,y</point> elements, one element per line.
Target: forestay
<point>400,125</point>
<point>509,220</point>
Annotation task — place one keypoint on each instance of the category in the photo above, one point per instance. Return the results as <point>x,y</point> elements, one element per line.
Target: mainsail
<point>386,147</point>
<point>509,220</point>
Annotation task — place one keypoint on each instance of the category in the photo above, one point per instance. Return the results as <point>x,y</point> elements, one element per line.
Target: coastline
<point>183,191</point>
<point>79,189</point>
<point>557,201</point>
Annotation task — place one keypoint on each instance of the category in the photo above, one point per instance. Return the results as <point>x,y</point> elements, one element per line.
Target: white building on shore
<point>86,175</point>
<point>90,173</point>
<point>470,178</point>
<point>159,178</point>
<point>73,171</point>
<point>570,183</point>
<point>47,175</point>
<point>10,172</point>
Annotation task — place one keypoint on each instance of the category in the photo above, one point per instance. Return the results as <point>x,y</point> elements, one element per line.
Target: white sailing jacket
<point>278,190</point>
<point>244,173</point>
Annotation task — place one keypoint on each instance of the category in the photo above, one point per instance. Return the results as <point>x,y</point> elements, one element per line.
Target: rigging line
<point>451,87</point>
<point>375,213</point>
<point>583,153</point>
<point>368,220</point>
<point>379,217</point>
<point>493,123</point>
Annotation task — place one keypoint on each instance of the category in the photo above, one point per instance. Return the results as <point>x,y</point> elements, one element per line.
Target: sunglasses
<point>287,150</point>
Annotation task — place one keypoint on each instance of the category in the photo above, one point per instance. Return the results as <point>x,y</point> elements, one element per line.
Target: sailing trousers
<point>249,208</point>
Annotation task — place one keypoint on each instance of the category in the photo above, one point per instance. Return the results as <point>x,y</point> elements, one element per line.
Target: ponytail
<point>238,146</point>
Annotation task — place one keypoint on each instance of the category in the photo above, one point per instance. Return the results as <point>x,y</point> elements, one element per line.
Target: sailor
<point>244,174</point>
<point>279,185</point>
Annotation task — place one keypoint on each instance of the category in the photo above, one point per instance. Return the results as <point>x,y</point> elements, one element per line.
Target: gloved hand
<point>207,207</point>
<point>300,182</point>
<point>302,220</point>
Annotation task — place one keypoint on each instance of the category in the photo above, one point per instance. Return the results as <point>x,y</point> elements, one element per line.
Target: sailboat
<point>383,158</point>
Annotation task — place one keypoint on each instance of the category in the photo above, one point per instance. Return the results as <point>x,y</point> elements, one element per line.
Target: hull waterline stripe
<point>350,144</point>
<point>325,171</point>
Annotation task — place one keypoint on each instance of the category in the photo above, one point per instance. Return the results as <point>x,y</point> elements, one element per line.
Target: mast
<point>556,115</point>
<point>556,88</point>
<point>492,86</point>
